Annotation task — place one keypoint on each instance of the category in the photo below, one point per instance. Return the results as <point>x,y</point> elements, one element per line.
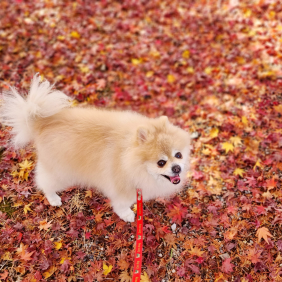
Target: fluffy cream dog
<point>113,151</point>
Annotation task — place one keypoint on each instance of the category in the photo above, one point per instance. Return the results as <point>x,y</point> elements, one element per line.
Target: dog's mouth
<point>173,179</point>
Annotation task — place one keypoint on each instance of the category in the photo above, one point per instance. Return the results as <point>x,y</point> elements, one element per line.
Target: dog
<point>114,151</point>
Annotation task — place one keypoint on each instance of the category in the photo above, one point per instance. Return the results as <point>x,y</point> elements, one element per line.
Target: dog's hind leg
<point>49,184</point>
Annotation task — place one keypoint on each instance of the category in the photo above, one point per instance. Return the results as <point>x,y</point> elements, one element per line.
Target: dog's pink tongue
<point>175,179</point>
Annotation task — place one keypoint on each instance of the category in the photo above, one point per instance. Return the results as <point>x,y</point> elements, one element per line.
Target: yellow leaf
<point>84,69</point>
<point>89,193</point>
<point>170,78</point>
<point>58,245</point>
<point>239,171</point>
<point>272,14</point>
<point>214,132</point>
<point>107,269</point>
<point>240,60</point>
<point>208,70</point>
<point>236,141</point>
<point>14,174</point>
<point>7,256</point>
<point>258,164</point>
<point>136,61</point>
<point>27,208</point>
<point>186,54</point>
<point>248,13</point>
<point>134,208</point>
<point>75,34</point>
<point>227,147</point>
<point>25,165</point>
<point>49,272</point>
<point>149,73</point>
<point>206,151</point>
<point>263,232</point>
<point>244,121</point>
<point>190,70</point>
<point>60,37</point>
<point>145,277</point>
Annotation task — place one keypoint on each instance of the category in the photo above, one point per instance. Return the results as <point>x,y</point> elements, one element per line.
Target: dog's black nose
<point>176,169</point>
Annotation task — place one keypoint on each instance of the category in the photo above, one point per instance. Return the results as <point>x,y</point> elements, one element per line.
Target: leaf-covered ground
<point>214,67</point>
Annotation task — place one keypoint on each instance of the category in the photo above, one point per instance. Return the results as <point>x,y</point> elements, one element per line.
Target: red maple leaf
<point>177,212</point>
<point>270,183</point>
<point>227,266</point>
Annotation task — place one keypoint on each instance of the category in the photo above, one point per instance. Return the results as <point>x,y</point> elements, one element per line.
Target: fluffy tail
<point>18,111</point>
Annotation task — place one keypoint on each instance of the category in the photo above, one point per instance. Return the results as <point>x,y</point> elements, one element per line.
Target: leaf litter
<point>214,67</point>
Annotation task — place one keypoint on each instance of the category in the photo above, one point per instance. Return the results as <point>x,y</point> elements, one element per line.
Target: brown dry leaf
<point>123,264</point>
<point>170,239</point>
<point>124,276</point>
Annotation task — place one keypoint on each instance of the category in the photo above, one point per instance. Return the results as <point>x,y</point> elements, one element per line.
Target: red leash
<point>139,239</point>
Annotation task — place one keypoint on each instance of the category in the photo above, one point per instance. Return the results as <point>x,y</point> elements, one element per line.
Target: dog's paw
<point>54,200</point>
<point>127,215</point>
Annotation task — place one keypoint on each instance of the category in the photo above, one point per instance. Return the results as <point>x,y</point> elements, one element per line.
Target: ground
<point>214,68</point>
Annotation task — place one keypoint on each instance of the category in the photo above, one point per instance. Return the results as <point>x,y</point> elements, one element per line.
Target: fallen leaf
<point>227,147</point>
<point>107,268</point>
<point>264,233</point>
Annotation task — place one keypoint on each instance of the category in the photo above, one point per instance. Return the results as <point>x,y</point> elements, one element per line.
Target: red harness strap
<point>139,239</point>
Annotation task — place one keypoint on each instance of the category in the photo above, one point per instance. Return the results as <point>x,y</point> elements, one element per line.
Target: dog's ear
<point>142,135</point>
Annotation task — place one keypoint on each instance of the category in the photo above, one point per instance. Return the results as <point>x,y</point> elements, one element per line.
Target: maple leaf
<point>170,239</point>
<point>236,141</point>
<point>58,245</point>
<point>145,277</point>
<point>244,120</point>
<point>27,208</point>
<point>44,224</point>
<point>251,181</point>
<point>25,165</point>
<point>24,255</point>
<point>177,213</point>
<point>227,266</point>
<point>106,268</point>
<point>239,171</point>
<point>4,275</point>
<point>253,255</point>
<point>186,54</point>
<point>227,147</point>
<point>170,78</point>
<point>123,264</point>
<point>264,233</point>
<point>257,164</point>
<point>49,272</point>
<point>124,276</point>
<point>181,271</point>
<point>270,184</point>
<point>214,132</point>
<point>196,252</point>
<point>89,193</point>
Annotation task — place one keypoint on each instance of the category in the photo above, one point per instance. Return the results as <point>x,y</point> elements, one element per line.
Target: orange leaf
<point>263,232</point>
<point>196,252</point>
<point>44,224</point>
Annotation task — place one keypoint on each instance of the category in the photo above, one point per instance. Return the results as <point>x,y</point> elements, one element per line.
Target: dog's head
<point>164,149</point>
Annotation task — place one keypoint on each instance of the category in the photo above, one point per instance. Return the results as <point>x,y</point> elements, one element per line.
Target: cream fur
<point>113,151</point>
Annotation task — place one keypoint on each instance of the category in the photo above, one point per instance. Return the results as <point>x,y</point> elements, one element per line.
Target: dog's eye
<point>161,163</point>
<point>178,155</point>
